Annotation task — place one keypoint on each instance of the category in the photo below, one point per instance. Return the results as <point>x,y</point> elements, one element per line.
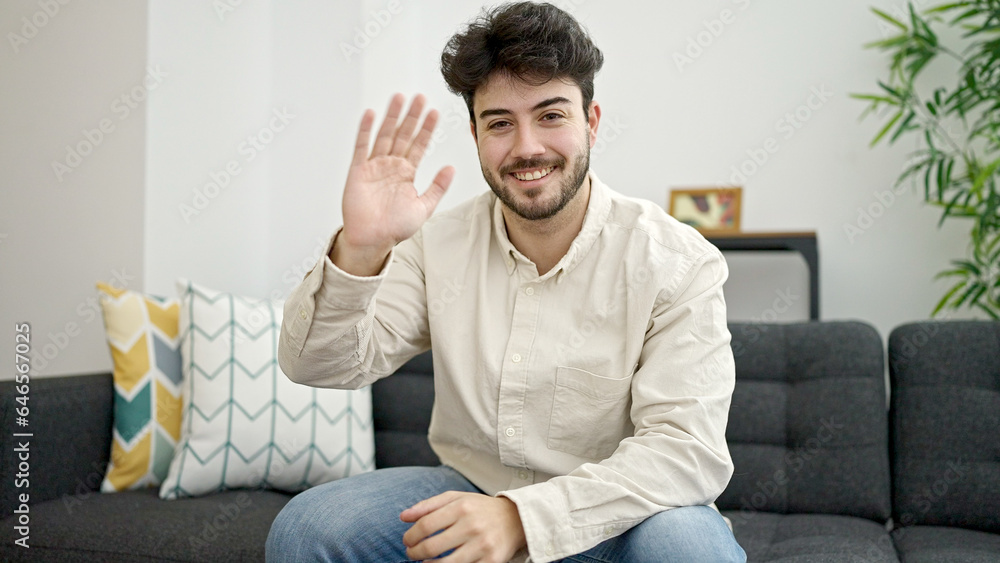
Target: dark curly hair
<point>533,42</point>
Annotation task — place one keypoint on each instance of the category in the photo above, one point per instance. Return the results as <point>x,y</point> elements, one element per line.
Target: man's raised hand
<point>381,205</point>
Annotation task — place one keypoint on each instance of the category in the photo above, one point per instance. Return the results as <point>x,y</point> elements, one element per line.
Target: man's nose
<point>527,143</point>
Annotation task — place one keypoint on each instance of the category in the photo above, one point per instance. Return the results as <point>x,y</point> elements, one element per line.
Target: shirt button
<point>609,531</point>
<point>515,358</point>
<point>509,432</point>
<point>522,475</point>
<point>302,314</point>
<point>510,263</point>
<point>530,291</point>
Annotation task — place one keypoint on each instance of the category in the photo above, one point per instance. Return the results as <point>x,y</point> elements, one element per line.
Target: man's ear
<point>472,127</point>
<point>593,120</point>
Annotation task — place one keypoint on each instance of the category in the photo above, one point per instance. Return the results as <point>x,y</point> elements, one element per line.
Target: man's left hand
<point>478,527</point>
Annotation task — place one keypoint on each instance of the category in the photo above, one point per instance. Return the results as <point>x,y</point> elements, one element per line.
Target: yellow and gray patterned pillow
<point>142,333</point>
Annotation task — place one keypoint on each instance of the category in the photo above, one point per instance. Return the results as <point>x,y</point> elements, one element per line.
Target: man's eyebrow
<point>544,103</point>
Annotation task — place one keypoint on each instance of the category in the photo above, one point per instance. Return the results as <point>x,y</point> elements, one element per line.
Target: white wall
<point>663,126</point>
<point>63,73</point>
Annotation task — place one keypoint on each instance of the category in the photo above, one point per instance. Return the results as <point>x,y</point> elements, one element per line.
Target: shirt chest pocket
<point>590,413</point>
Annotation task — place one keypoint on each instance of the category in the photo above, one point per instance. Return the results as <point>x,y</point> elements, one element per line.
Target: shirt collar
<point>598,210</point>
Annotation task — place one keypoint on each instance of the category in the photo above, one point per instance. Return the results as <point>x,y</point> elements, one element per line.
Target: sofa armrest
<point>70,418</point>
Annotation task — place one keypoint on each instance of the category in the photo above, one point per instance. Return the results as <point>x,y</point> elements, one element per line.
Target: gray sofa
<point>821,466</point>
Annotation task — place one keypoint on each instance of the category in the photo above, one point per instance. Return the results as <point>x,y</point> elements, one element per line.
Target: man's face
<point>534,143</point>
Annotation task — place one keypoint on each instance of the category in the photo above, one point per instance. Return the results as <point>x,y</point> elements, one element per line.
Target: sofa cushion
<point>71,423</point>
<point>933,544</point>
<point>245,423</point>
<point>808,425</point>
<point>138,526</point>
<point>945,415</point>
<point>811,538</point>
<point>142,334</point>
<point>401,406</point>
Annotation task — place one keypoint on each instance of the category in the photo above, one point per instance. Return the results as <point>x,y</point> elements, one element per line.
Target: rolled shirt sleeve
<point>330,334</point>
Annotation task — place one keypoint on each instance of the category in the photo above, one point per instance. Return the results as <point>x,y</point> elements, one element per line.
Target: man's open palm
<point>381,205</point>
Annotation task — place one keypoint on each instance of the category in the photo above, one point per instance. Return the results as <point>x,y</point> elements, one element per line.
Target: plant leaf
<point>947,296</point>
<point>890,19</point>
<point>886,129</point>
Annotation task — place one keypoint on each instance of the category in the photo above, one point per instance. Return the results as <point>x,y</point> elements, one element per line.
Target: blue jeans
<point>356,520</point>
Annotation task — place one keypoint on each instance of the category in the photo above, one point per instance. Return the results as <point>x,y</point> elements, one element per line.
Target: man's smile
<point>533,174</point>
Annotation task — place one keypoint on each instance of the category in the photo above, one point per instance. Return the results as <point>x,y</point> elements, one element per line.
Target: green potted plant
<point>957,126</point>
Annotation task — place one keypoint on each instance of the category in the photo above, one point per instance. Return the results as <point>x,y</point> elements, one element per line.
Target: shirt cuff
<point>345,291</point>
<point>331,286</point>
<point>537,507</point>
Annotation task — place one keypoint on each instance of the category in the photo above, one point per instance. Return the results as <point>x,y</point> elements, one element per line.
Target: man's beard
<point>567,190</point>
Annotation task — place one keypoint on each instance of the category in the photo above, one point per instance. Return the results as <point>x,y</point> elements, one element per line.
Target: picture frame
<point>710,210</point>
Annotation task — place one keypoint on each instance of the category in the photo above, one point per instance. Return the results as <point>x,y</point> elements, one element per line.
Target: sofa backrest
<point>70,419</point>
<point>401,407</point>
<point>945,419</point>
<point>808,428</point>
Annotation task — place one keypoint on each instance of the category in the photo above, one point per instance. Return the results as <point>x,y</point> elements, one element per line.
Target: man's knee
<point>692,533</point>
<point>307,524</point>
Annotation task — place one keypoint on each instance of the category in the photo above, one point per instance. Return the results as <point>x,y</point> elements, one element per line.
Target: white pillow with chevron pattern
<point>245,424</point>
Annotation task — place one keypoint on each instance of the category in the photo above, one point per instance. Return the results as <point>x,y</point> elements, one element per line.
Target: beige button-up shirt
<point>593,396</point>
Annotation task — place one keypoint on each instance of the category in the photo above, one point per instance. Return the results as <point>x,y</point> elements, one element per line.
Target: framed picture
<point>712,210</point>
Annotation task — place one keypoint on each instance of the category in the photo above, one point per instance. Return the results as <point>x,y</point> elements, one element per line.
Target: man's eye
<point>551,116</point>
<point>499,124</point>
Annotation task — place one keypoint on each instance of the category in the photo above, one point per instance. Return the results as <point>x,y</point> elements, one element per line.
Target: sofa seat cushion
<point>938,544</point>
<point>812,538</point>
<point>139,526</point>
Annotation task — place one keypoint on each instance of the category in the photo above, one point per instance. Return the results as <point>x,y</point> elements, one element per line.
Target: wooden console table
<point>802,242</point>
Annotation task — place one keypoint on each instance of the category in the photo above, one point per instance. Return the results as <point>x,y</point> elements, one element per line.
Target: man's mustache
<point>524,164</point>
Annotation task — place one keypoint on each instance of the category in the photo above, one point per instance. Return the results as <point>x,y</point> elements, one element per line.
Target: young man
<point>582,364</point>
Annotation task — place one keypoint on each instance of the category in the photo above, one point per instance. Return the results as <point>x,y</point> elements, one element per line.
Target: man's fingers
<point>434,546</point>
<point>433,196</point>
<point>364,136</point>
<point>383,142</point>
<point>426,506</point>
<point>409,125</point>
<point>434,520</point>
<point>419,145</point>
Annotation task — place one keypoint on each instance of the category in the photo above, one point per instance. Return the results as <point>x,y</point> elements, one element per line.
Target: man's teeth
<point>524,176</point>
